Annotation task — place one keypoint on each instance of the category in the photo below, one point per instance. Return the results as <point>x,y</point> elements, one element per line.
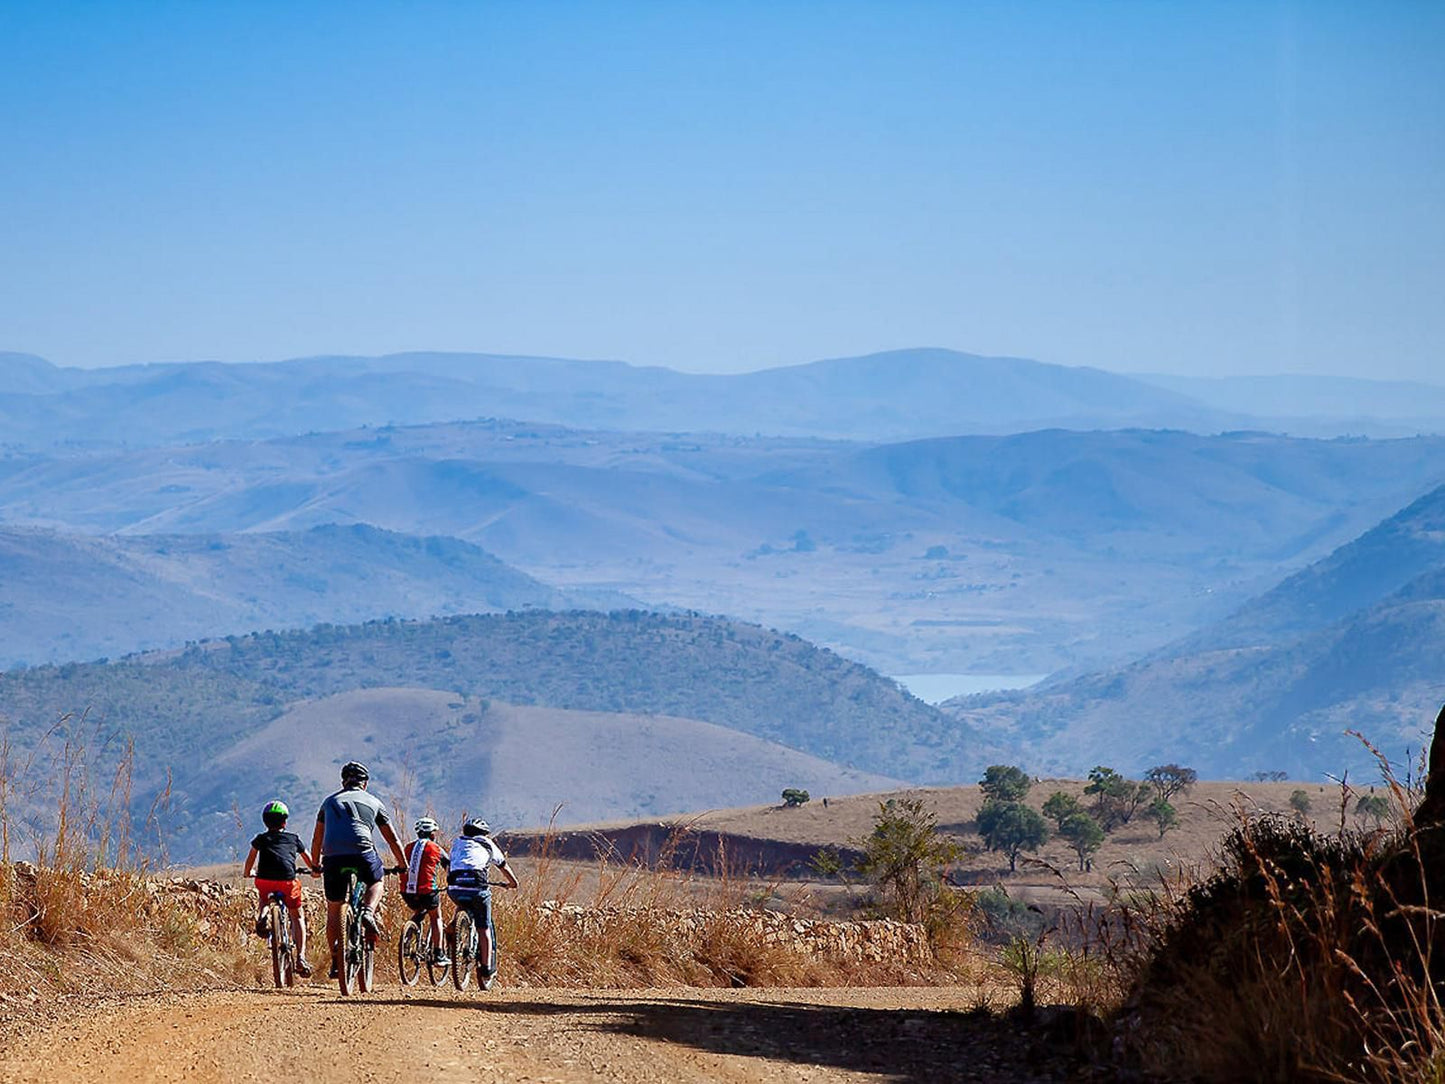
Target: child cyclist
<point>421,885</point>
<point>472,854</point>
<point>273,860</point>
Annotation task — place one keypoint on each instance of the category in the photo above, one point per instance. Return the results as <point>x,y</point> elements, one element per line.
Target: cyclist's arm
<point>312,864</point>
<point>250,863</point>
<point>317,836</point>
<point>388,833</point>
<point>508,874</point>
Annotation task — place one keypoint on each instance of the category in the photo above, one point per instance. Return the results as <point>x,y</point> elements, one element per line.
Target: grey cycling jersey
<point>350,817</point>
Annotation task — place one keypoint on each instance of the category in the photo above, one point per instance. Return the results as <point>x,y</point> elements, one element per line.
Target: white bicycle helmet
<point>475,826</point>
<point>425,826</point>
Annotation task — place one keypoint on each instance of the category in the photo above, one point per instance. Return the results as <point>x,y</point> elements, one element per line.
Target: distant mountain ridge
<point>893,395</point>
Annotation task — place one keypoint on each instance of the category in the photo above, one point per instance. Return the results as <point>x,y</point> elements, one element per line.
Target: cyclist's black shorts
<point>421,901</point>
<point>334,868</point>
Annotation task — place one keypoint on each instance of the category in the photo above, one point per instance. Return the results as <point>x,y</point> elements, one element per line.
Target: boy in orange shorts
<point>277,850</point>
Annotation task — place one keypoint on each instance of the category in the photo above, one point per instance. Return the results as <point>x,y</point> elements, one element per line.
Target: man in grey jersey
<point>344,838</point>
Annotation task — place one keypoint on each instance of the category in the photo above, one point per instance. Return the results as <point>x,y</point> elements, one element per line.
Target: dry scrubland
<point>1133,854</point>
<point>1301,956</point>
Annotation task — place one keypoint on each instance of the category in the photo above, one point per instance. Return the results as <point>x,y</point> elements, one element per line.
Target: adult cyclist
<point>345,827</point>
<point>472,853</point>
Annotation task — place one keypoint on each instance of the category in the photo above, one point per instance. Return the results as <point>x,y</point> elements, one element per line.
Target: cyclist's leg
<point>486,933</point>
<point>434,920</point>
<point>372,874</point>
<point>333,881</point>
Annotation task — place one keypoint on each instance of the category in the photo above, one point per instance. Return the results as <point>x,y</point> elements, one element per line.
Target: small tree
<point>794,797</point>
<point>1375,806</point>
<point>1005,783</point>
<point>1061,806</point>
<point>1011,827</point>
<point>905,856</point>
<point>1163,815</point>
<point>1171,779</point>
<point>1116,799</point>
<point>1299,801</point>
<point>1083,834</point>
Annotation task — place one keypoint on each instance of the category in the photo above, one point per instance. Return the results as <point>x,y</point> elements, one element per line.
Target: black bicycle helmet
<point>354,774</point>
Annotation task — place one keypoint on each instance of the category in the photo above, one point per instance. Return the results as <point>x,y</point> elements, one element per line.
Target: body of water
<point>936,688</point>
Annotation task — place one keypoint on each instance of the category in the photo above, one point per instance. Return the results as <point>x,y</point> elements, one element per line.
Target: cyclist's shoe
<point>488,981</point>
<point>303,968</point>
<point>262,926</point>
<point>368,922</point>
<point>335,970</point>
<point>440,958</point>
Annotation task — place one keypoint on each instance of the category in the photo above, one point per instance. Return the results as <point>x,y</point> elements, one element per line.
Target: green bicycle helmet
<point>275,814</point>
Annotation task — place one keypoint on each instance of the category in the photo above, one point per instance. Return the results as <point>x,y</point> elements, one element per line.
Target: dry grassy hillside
<point>1130,853</point>
<point>446,753</point>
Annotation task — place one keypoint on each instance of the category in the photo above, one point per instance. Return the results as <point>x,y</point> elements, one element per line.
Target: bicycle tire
<point>464,951</point>
<point>366,971</point>
<point>350,936</point>
<point>280,951</point>
<point>410,952</point>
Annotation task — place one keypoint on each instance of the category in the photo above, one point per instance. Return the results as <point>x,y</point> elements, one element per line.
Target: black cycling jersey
<point>277,851</point>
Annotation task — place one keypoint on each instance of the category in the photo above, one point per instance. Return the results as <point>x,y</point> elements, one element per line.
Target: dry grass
<point>1306,958</point>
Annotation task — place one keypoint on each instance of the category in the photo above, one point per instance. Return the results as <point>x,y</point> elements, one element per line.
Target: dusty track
<point>558,1036</point>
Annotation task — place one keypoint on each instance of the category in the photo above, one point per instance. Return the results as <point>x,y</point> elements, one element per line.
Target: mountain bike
<point>415,948</point>
<point>466,942</point>
<point>357,968</point>
<point>278,934</point>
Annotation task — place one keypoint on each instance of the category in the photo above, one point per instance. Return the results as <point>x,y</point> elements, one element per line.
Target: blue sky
<point>1181,187</point>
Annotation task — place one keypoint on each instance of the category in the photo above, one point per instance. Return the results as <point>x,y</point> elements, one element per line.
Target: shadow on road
<point>910,1046</point>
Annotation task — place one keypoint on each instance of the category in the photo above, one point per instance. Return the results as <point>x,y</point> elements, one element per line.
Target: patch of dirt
<point>559,1036</point>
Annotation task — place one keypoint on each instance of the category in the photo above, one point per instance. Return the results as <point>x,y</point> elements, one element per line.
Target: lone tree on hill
<point>1171,779</point>
<point>795,797</point>
<point>1375,806</point>
<point>905,856</point>
<point>1011,827</point>
<point>1005,783</point>
<point>1299,801</point>
<point>1083,835</point>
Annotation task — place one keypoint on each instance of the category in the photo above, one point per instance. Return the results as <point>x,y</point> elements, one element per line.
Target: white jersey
<point>471,857</point>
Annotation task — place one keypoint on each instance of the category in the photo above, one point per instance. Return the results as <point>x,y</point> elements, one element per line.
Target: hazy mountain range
<point>895,395</point>
<point>1029,553</point>
<point>1350,643</point>
<point>1202,590</point>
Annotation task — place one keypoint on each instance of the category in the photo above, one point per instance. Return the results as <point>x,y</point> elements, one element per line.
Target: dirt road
<point>533,1035</point>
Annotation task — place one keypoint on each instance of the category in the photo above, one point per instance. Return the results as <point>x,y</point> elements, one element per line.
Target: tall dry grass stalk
<point>1307,958</point>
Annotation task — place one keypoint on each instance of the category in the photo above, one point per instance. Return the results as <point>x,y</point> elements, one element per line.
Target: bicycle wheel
<point>280,951</point>
<point>411,950</point>
<point>350,938</point>
<point>464,948</point>
<point>365,974</point>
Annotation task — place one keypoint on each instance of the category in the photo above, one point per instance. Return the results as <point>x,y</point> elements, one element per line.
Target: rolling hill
<point>1351,643</point>
<point>1049,550</point>
<point>447,754</point>
<point>66,597</point>
<point>187,711</point>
